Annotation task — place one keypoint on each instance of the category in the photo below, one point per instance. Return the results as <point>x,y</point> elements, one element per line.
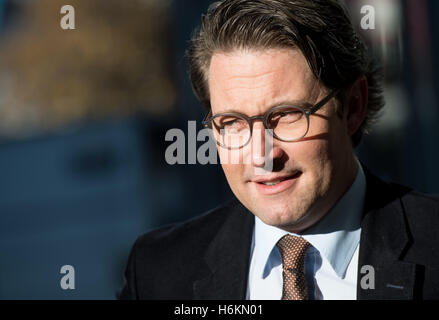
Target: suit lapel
<point>384,239</point>
<point>228,258</point>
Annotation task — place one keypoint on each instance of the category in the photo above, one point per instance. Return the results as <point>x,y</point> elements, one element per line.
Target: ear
<point>355,106</point>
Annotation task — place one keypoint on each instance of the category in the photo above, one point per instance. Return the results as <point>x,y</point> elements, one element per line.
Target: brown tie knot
<point>293,251</point>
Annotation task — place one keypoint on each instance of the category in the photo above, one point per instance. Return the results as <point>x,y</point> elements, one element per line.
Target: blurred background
<point>83,118</point>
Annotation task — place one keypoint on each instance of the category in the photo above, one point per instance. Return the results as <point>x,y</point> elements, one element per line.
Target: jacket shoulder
<point>422,211</point>
<point>164,263</point>
<point>422,201</point>
<point>422,214</point>
<point>195,231</point>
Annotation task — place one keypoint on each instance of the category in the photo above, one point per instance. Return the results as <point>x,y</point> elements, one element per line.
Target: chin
<point>279,216</point>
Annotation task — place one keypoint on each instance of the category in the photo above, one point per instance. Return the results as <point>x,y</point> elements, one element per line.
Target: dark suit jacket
<point>208,257</point>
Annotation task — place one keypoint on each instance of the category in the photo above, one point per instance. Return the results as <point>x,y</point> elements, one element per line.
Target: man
<point>317,225</point>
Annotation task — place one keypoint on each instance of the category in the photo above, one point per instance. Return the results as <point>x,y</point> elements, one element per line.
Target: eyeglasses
<point>286,123</point>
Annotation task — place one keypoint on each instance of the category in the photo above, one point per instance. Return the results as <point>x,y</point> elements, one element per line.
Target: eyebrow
<point>298,103</point>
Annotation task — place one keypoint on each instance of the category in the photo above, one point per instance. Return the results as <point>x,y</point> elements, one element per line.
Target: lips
<point>268,185</point>
<point>273,182</point>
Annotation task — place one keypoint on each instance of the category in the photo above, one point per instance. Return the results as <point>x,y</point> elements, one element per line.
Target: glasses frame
<point>208,119</point>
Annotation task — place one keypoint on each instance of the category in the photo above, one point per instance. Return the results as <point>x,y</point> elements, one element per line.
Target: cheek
<point>323,143</point>
<point>231,162</point>
<point>312,158</point>
<point>230,170</point>
<point>234,174</point>
<point>309,154</point>
<point>235,160</point>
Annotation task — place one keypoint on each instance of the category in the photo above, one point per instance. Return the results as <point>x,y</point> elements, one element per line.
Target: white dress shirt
<point>331,261</point>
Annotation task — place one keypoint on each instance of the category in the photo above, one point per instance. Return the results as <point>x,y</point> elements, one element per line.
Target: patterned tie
<point>293,252</point>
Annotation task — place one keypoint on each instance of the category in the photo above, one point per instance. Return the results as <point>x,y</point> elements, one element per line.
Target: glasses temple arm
<point>324,101</point>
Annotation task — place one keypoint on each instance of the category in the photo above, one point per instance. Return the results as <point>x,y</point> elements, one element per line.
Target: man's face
<point>313,172</point>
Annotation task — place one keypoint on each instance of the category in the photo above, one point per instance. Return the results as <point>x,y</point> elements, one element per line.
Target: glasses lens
<point>231,131</point>
<point>288,123</point>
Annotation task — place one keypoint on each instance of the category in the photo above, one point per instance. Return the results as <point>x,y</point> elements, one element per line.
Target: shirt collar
<point>335,236</point>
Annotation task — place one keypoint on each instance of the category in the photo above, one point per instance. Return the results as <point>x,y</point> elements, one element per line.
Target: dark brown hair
<point>320,29</point>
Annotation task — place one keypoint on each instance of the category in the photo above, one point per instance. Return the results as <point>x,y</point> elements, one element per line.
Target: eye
<point>230,124</point>
<point>290,115</point>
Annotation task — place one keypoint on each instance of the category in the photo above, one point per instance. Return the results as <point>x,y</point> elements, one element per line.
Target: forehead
<point>247,78</point>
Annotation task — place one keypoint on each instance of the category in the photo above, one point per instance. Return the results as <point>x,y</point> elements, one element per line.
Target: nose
<point>258,144</point>
<point>263,150</point>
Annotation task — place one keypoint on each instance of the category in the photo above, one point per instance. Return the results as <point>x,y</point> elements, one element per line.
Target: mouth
<point>276,184</point>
